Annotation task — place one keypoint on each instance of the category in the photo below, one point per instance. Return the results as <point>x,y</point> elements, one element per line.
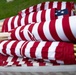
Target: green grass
<point>12,8</point>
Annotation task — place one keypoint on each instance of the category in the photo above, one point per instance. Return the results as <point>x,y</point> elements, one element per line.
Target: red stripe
<point>45,50</point>
<point>19,21</point>
<point>40,31</point>
<point>34,17</point>
<point>52,14</point>
<point>27,11</point>
<point>14,60</point>
<point>50,4</point>
<point>20,33</point>
<point>53,30</point>
<point>42,6</point>
<point>12,22</point>
<point>35,8</point>
<point>42,64</point>
<point>59,52</point>
<point>5,25</point>
<point>13,34</point>
<point>68,6</point>
<point>43,18</point>
<point>30,29</point>
<point>67,30</point>
<point>13,48</point>
<point>33,50</point>
<point>4,47</point>
<point>59,5</point>
<point>26,19</point>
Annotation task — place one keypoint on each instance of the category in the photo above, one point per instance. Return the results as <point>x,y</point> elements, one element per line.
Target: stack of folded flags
<point>41,35</point>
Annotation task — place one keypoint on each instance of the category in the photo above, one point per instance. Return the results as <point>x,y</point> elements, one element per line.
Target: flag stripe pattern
<point>47,5</point>
<point>57,51</point>
<point>25,62</point>
<point>55,30</point>
<point>34,17</point>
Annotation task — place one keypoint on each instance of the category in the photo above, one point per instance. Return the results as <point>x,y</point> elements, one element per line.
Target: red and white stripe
<point>25,62</point>
<point>11,48</point>
<point>52,51</point>
<point>56,30</point>
<point>34,17</point>
<point>48,5</point>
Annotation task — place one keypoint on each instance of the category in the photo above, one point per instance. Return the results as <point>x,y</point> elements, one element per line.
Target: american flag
<point>48,5</point>
<point>47,51</point>
<point>34,17</point>
<point>56,30</point>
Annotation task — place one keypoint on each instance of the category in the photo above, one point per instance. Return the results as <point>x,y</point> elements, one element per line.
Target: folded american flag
<point>61,52</point>
<point>63,29</point>
<point>39,23</point>
<point>34,17</point>
<point>48,5</point>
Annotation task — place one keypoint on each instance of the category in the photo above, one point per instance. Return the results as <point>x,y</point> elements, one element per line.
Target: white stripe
<point>47,31</point>
<point>72,23</point>
<point>9,60</point>
<point>38,52</point>
<point>27,49</point>
<point>38,7</point>
<point>31,9</point>
<point>47,15</point>
<point>30,17</point>
<point>16,21</point>
<point>35,31</point>
<point>17,33</point>
<point>25,32</point>
<point>1,46</point>
<point>8,51</point>
<point>46,6</point>
<point>9,23</point>
<point>35,64</point>
<point>23,13</point>
<point>23,21</point>
<point>18,48</point>
<point>60,31</point>
<point>63,5</point>
<point>55,4</point>
<point>38,18</point>
<point>51,51</point>
<point>60,17</point>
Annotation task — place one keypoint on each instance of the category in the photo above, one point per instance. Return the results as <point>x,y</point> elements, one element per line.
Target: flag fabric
<point>25,62</point>
<point>56,30</point>
<point>34,17</point>
<point>61,12</point>
<point>57,51</point>
<point>41,35</point>
<point>48,5</point>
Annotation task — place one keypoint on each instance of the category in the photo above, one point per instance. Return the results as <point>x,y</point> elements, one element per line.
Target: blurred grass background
<point>12,8</point>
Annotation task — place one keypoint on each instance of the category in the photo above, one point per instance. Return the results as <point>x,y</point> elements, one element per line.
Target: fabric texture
<point>47,5</point>
<point>34,17</point>
<point>56,51</point>
<point>55,30</point>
